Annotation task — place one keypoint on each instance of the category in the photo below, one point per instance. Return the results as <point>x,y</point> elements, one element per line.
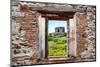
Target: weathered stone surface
<point>21,14</point>
<point>90,30</point>
<point>26,32</point>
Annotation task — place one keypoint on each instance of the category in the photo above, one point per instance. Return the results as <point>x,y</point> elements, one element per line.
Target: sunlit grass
<point>58,48</point>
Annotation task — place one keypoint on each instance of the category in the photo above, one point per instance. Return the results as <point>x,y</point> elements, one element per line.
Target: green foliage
<point>50,34</point>
<point>57,52</point>
<point>65,34</point>
<point>61,40</point>
<point>57,48</point>
<point>50,39</point>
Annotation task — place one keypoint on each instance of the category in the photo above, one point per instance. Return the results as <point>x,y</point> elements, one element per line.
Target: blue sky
<point>56,23</point>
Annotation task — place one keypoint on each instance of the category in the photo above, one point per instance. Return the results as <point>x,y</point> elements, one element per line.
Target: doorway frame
<point>56,16</point>
<point>46,36</point>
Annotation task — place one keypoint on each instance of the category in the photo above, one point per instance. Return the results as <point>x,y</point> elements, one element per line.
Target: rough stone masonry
<point>25,31</point>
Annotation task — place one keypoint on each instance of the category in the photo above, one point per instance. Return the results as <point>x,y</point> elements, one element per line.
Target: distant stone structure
<point>60,30</point>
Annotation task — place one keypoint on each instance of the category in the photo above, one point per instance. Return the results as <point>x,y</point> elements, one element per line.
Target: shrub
<point>65,34</point>
<point>64,41</point>
<point>50,39</point>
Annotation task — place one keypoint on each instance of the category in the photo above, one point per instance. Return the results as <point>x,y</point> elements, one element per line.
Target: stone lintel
<point>55,9</point>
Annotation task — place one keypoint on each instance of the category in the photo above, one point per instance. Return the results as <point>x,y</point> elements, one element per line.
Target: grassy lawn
<point>57,47</point>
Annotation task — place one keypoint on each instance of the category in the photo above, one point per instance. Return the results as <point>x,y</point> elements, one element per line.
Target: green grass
<point>58,48</point>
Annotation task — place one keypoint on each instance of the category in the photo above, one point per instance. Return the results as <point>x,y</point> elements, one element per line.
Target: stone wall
<point>24,35</point>
<point>81,35</point>
<point>25,47</point>
<point>85,22</point>
<point>89,34</point>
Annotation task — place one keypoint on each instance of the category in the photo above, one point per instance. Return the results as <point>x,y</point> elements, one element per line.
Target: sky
<point>56,23</point>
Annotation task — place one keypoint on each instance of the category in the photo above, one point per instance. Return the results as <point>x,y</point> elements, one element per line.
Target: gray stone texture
<point>25,31</point>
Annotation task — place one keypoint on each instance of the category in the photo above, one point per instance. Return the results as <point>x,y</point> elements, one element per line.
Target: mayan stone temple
<point>29,33</point>
<point>60,30</point>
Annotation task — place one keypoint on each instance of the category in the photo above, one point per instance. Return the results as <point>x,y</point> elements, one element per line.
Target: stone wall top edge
<point>56,3</point>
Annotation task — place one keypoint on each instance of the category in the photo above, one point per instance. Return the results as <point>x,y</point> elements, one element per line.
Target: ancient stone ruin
<point>60,30</point>
<point>29,27</point>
